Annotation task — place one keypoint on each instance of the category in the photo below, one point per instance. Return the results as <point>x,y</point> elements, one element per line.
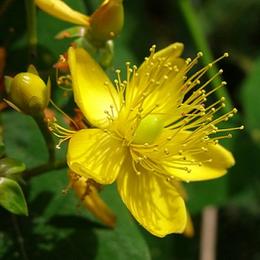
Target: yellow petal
<point>189,229</point>
<point>171,52</point>
<point>95,154</point>
<point>215,162</point>
<point>93,91</point>
<point>154,202</point>
<point>160,78</point>
<point>62,11</point>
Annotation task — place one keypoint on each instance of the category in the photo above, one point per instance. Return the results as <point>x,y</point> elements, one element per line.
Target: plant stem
<point>31,27</point>
<point>209,233</point>
<point>38,170</point>
<point>201,43</point>
<point>19,237</point>
<point>43,126</point>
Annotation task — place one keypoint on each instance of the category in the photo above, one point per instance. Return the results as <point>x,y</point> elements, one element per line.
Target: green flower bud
<point>106,22</point>
<point>27,92</point>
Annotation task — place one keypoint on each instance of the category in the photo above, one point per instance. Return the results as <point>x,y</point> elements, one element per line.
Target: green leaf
<point>201,194</point>
<point>11,168</point>
<point>250,100</point>
<point>11,197</point>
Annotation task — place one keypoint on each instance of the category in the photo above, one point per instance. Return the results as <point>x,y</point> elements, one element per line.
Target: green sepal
<point>32,69</point>
<point>11,168</point>
<point>76,31</point>
<point>48,92</point>
<point>106,54</point>
<point>8,81</point>
<point>12,197</point>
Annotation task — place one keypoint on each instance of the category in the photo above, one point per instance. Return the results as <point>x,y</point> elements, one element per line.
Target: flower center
<point>148,130</point>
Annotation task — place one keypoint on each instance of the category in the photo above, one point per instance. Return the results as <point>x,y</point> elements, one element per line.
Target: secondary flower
<point>150,132</point>
<point>103,25</point>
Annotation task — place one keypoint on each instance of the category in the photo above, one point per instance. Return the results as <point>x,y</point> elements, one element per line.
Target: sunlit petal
<point>153,201</point>
<point>62,11</point>
<point>211,162</point>
<point>93,91</point>
<point>94,154</point>
<point>160,78</point>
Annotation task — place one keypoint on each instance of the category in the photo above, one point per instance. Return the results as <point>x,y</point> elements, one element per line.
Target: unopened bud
<point>28,93</point>
<point>106,22</point>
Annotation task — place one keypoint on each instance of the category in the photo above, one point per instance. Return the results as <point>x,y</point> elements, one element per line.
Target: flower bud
<point>88,193</point>
<point>106,22</point>
<point>28,93</point>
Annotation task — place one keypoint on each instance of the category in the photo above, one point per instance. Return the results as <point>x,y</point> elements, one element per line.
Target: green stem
<point>201,43</point>
<point>31,27</point>
<point>38,170</point>
<point>43,126</point>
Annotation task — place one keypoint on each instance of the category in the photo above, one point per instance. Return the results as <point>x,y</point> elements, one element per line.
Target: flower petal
<point>93,91</point>
<point>159,78</point>
<point>214,162</point>
<point>62,11</point>
<point>95,154</point>
<point>153,201</point>
<point>172,51</point>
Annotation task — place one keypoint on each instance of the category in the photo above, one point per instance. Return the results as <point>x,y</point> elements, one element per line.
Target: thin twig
<point>44,168</point>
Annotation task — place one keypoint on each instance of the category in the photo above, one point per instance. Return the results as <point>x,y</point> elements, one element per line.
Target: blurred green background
<point>57,228</point>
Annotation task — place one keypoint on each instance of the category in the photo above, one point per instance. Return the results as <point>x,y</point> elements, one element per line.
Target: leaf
<point>201,194</point>
<point>11,168</point>
<point>11,197</point>
<point>250,96</point>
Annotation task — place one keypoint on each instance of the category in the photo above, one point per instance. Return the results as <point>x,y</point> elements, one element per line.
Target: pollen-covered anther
<point>152,49</point>
<point>223,83</point>
<point>226,54</point>
<point>175,68</point>
<point>188,61</point>
<point>199,54</point>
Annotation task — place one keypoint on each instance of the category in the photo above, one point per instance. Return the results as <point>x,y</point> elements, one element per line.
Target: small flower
<point>103,25</point>
<point>150,132</point>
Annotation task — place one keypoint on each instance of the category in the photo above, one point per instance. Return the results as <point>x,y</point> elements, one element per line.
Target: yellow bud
<point>148,130</point>
<point>88,193</point>
<point>106,22</point>
<point>28,92</point>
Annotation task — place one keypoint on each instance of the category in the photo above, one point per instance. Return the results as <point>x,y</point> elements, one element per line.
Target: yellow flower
<point>150,132</point>
<point>104,24</point>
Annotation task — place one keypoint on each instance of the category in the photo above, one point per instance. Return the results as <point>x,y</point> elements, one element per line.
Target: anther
<point>199,54</point>
<point>226,54</point>
<point>223,83</point>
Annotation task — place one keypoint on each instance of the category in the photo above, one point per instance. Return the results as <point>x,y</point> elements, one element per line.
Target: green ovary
<point>148,130</point>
